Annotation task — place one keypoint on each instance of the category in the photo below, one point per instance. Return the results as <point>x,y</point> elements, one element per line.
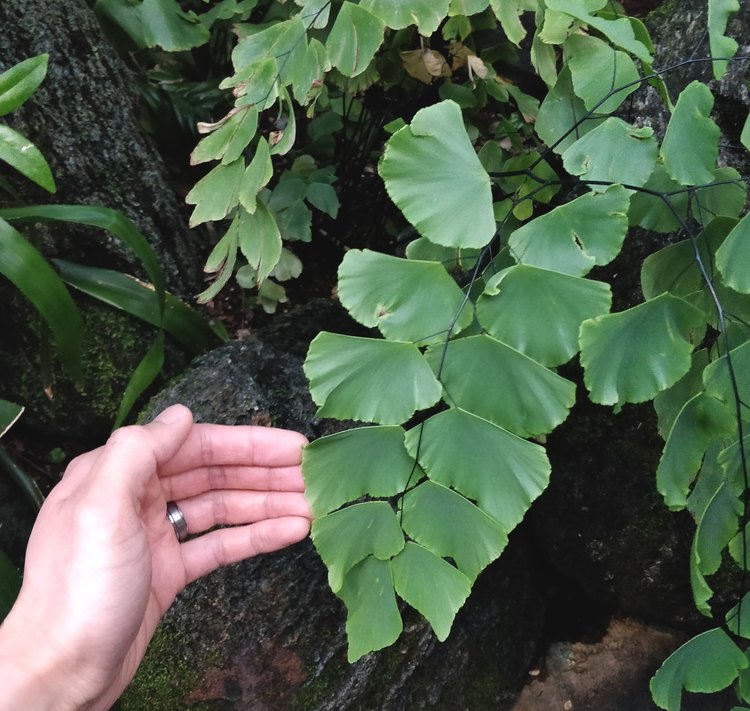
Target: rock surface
<point>268,634</point>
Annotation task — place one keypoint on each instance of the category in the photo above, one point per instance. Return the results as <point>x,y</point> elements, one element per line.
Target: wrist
<point>34,674</point>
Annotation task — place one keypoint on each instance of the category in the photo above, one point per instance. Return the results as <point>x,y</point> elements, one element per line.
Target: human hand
<point>103,563</point>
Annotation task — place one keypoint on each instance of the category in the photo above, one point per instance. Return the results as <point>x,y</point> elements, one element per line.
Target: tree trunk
<point>84,119</point>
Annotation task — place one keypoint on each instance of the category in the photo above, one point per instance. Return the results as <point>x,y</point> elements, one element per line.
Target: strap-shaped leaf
<point>597,70</point>
<point>9,414</point>
<point>535,400</point>
<point>346,537</point>
<point>691,125</point>
<point>576,236</point>
<point>396,14</point>
<point>369,380</point>
<point>20,81</point>
<point>452,527</point>
<point>619,32</point>
<point>355,37</point>
<point>702,420</point>
<point>517,301</point>
<point>501,472</point>
<point>407,300</point>
<point>430,585</point>
<point>217,193</point>
<point>373,620</point>
<point>613,152</point>
<point>124,292</point>
<point>144,374</point>
<point>165,25</point>
<point>32,275</point>
<point>228,142</point>
<point>733,257</point>
<point>20,153</point>
<point>632,355</point>
<point>383,467</point>
<point>433,174</point>
<point>709,662</point>
<point>721,45</point>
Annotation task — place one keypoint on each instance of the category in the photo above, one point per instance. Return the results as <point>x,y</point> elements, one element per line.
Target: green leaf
<point>721,46</point>
<point>124,292</point>
<point>576,236</point>
<point>670,402</point>
<point>144,374</point>
<point>543,57</point>
<point>104,218</point>
<point>10,584</point>
<point>434,157</point>
<point>270,295</point>
<point>450,526</point>
<point>324,197</point>
<point>20,153</point>
<point>316,11</point>
<point>288,267</point>
<point>259,239</point>
<point>535,400</point>
<point>368,380</point>
<point>726,198</point>
<point>560,115</point>
<point>431,585</point>
<point>745,135</point>
<point>285,141</point>
<point>619,32</point>
<point>722,375</point>
<point>733,255</point>
<point>295,222</point>
<point>518,300</point>
<point>707,663</point>
<point>454,260</point>
<point>396,14</point>
<point>312,70</point>
<point>738,618</point>
<point>383,467</point>
<point>355,37</point>
<point>217,193</point>
<point>675,267</point>
<point>9,414</point>
<point>346,537</point>
<point>378,290</point>
<point>222,260</point>
<point>467,7</point>
<point>256,85</point>
<point>20,81</point>
<point>165,25</point>
<point>598,70</point>
<point>691,125</point>
<point>702,420</point>
<point>229,140</point>
<point>632,355</point>
<point>283,41</point>
<point>256,176</point>
<point>32,275</point>
<point>717,526</point>
<point>373,620</point>
<point>508,13</point>
<point>501,472</point>
<point>613,152</point>
<point>652,212</point>
<point>123,16</point>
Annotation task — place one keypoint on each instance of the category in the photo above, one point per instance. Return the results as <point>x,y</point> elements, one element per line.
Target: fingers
<point>239,507</point>
<point>221,445</point>
<point>229,545</point>
<point>196,481</point>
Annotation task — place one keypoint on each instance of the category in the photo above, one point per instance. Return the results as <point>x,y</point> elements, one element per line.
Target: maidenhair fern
<point>514,203</point>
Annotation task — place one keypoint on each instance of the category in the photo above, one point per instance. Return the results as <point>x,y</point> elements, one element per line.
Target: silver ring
<point>177,519</point>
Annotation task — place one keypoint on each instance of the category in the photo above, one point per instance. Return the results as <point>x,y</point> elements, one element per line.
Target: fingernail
<point>171,415</point>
